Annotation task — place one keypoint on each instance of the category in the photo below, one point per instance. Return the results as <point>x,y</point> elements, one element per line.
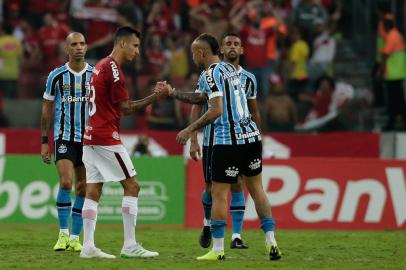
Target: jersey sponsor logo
<point>255,164</point>
<point>209,78</point>
<point>71,99</point>
<point>115,135</point>
<point>62,149</point>
<point>114,69</point>
<point>232,171</point>
<point>240,136</point>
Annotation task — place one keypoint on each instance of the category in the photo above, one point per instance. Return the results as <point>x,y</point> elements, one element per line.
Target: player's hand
<point>45,155</point>
<point>195,152</point>
<point>161,89</point>
<point>183,136</point>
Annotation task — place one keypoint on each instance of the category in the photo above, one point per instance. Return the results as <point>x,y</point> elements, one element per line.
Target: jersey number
<point>92,104</point>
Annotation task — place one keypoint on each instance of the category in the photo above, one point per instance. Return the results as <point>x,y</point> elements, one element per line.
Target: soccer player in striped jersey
<point>237,147</point>
<point>67,91</point>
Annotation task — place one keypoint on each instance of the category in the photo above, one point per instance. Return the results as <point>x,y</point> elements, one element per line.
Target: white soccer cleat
<point>95,253</point>
<point>137,252</point>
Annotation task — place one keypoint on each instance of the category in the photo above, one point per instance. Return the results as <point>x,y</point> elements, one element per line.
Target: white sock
<point>235,235</point>
<point>206,222</point>
<point>89,215</point>
<point>129,211</point>
<point>270,238</point>
<point>65,231</point>
<point>71,237</point>
<point>218,244</point>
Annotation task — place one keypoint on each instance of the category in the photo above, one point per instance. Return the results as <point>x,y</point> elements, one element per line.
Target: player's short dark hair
<point>211,41</point>
<point>124,32</point>
<point>229,34</point>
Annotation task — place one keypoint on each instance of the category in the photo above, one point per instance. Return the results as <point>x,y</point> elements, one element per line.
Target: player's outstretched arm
<point>214,111</point>
<point>46,116</point>
<point>199,98</point>
<point>130,106</point>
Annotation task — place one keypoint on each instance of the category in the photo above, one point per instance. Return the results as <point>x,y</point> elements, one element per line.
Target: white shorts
<point>107,163</point>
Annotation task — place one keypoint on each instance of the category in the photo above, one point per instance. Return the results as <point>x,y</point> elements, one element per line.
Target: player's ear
<point>221,50</point>
<point>242,50</point>
<point>122,43</point>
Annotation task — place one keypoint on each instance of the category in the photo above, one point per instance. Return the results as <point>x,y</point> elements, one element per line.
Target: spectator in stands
<point>177,55</point>
<point>254,38</point>
<point>297,60</point>
<point>51,34</point>
<point>320,100</point>
<point>394,73</point>
<point>270,20</point>
<point>323,48</point>
<point>209,19</point>
<point>280,110</point>
<point>160,18</point>
<point>305,16</point>
<point>10,59</point>
<point>155,60</point>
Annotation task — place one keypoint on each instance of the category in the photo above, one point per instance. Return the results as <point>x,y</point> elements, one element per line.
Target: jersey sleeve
<point>252,89</point>
<point>50,87</point>
<point>115,79</point>
<point>215,82</point>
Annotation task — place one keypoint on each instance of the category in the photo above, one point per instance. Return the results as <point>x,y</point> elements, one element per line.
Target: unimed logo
<point>337,199</point>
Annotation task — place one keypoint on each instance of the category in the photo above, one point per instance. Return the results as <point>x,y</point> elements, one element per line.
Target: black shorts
<point>230,161</point>
<point>69,150</point>
<point>207,153</point>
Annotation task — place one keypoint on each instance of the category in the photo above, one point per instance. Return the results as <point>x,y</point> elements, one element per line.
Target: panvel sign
<point>28,189</point>
<point>314,193</point>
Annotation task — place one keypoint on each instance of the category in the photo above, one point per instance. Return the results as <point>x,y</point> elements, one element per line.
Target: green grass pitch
<point>30,247</point>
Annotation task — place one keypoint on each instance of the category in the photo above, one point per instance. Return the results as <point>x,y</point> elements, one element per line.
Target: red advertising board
<point>336,144</point>
<point>315,193</point>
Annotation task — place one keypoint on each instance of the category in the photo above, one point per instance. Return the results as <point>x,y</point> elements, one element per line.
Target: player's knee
<point>237,187</point>
<point>133,189</point>
<point>65,182</point>
<point>81,188</point>
<point>207,187</point>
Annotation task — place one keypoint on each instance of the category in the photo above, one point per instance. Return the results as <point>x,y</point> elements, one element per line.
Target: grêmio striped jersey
<point>235,125</point>
<point>70,91</point>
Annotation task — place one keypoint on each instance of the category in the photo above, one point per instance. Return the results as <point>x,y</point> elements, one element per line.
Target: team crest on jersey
<point>115,135</point>
<point>66,87</point>
<point>232,171</point>
<point>62,149</point>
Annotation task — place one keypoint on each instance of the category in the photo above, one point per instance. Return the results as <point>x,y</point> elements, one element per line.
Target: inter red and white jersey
<point>107,89</point>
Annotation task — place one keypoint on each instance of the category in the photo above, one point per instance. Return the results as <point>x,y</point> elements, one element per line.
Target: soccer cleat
<point>95,253</point>
<point>137,252</point>
<point>63,242</point>
<point>238,244</point>
<point>74,245</point>
<point>274,252</point>
<point>212,256</point>
<point>205,237</point>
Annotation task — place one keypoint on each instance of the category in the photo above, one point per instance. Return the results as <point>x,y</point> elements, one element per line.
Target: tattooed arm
<point>214,111</point>
<point>46,118</point>
<point>190,97</point>
<point>130,106</point>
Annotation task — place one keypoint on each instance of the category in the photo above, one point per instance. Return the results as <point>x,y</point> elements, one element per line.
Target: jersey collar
<point>77,73</point>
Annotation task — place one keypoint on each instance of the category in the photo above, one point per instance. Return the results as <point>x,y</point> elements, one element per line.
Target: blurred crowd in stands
<point>288,44</point>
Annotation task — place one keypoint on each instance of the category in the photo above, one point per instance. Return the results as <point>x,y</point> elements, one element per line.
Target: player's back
<point>107,89</point>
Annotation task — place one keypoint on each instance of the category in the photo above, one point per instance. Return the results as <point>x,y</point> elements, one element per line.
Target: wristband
<point>44,139</point>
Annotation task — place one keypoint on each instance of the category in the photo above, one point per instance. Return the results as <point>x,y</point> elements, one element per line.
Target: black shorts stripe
<point>72,107</point>
<point>230,112</point>
<point>122,165</point>
<point>61,204</point>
